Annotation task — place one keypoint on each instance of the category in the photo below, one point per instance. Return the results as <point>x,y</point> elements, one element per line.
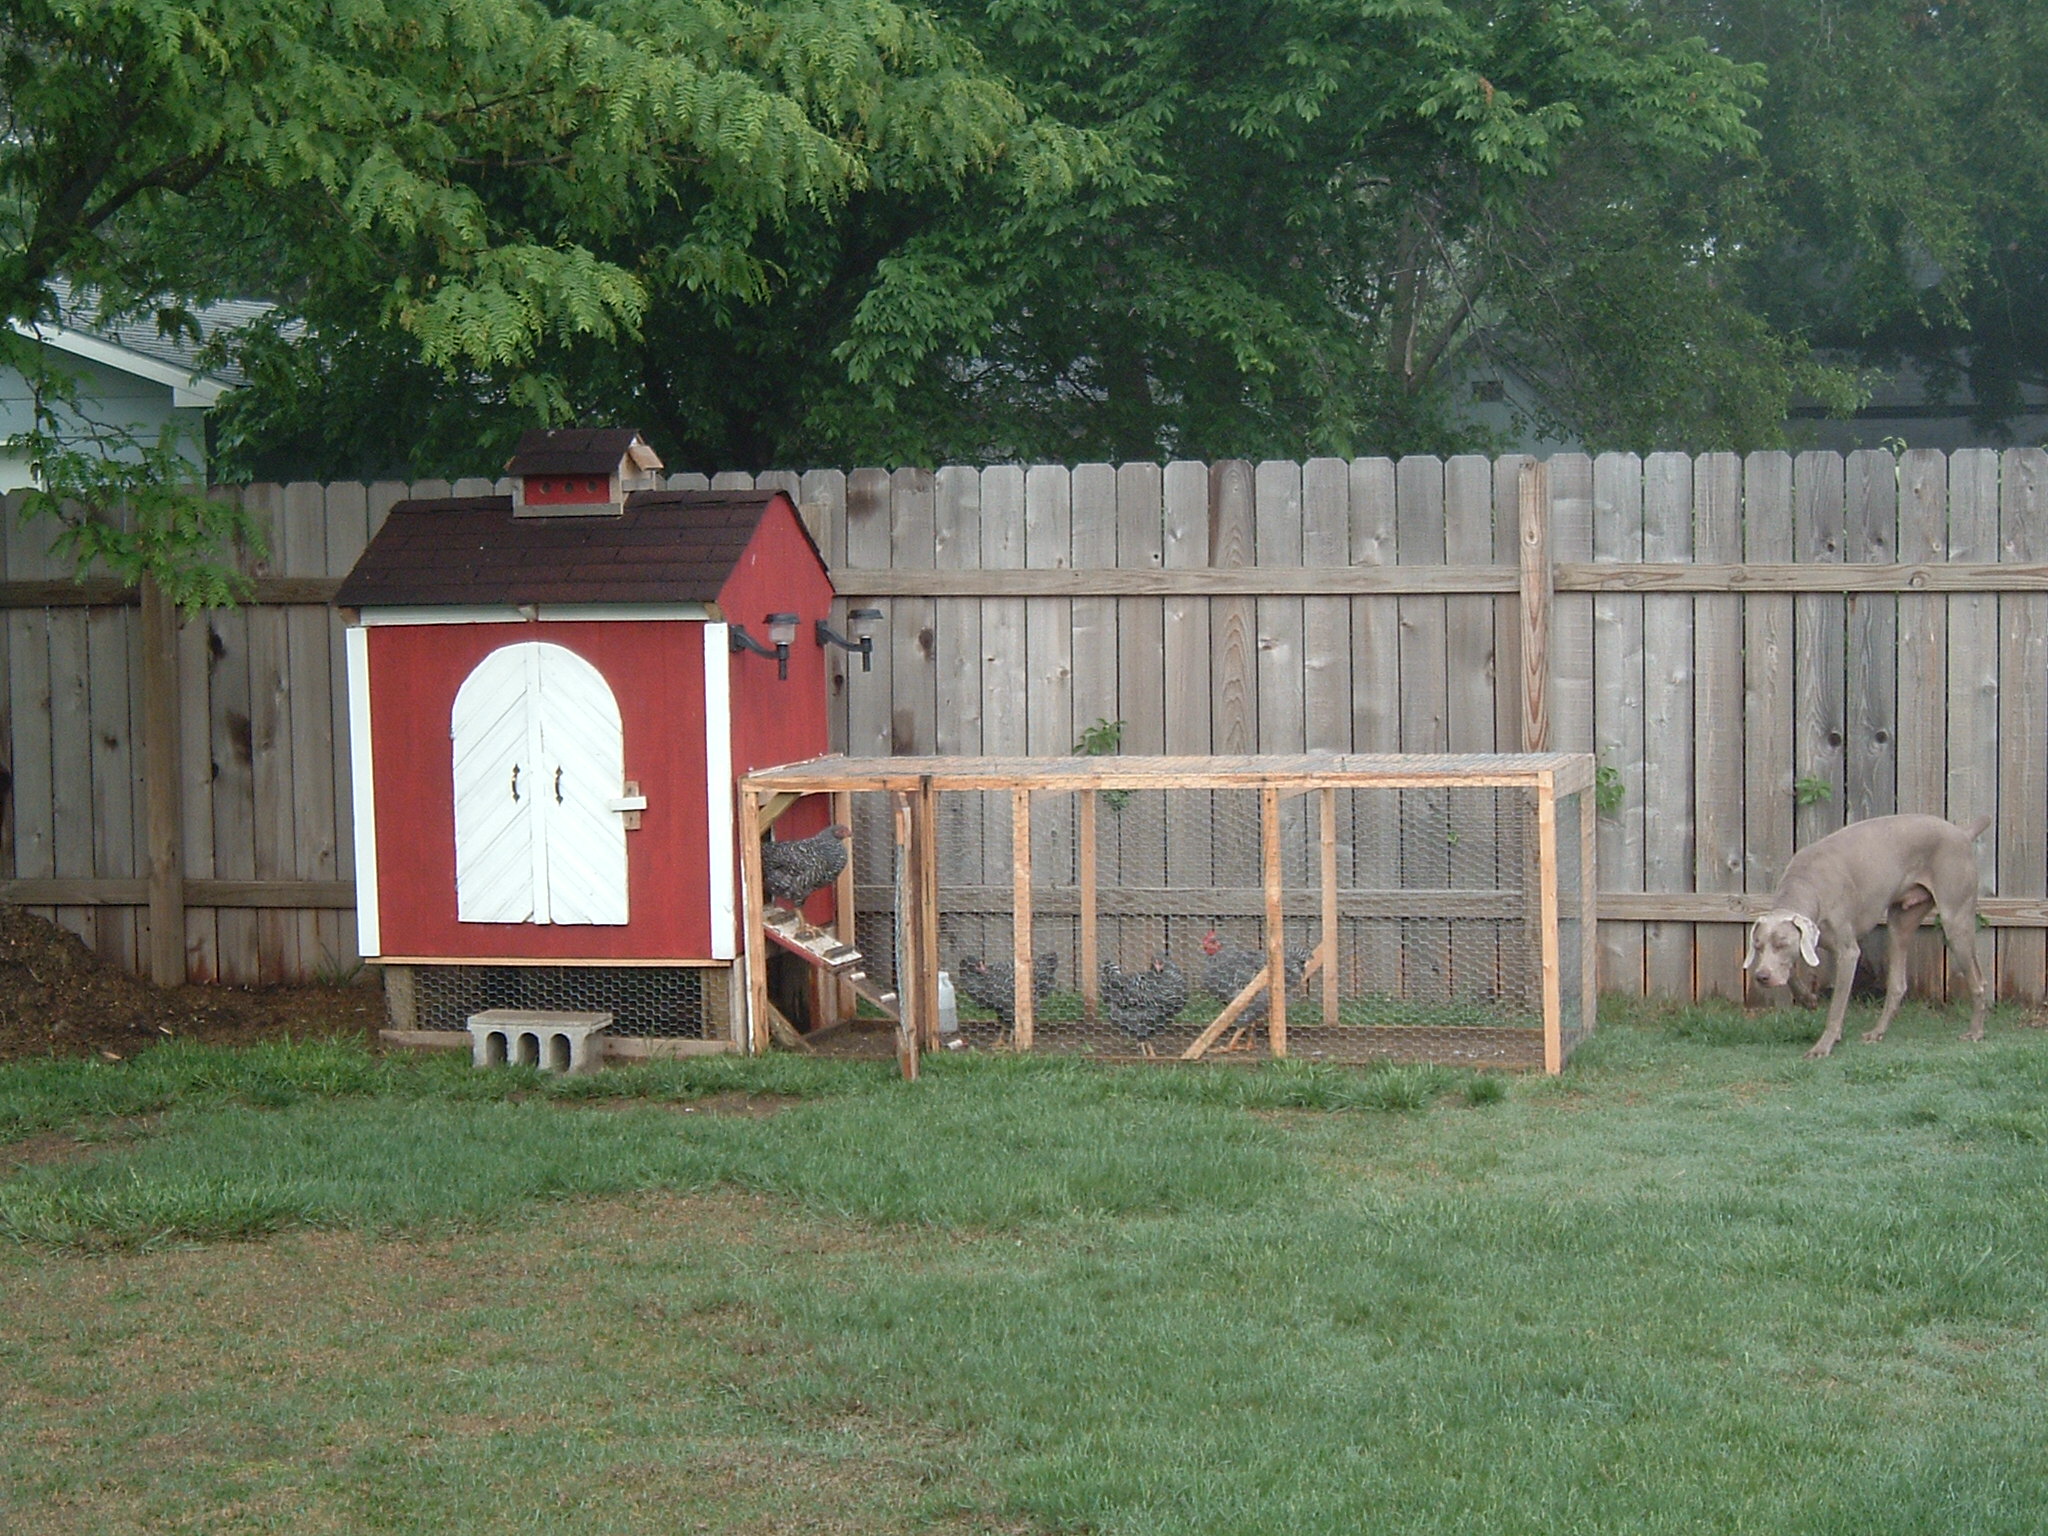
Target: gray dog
<point>1892,870</point>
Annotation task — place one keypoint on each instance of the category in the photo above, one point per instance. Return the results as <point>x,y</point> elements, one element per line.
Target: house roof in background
<point>667,547</point>
<point>136,346</point>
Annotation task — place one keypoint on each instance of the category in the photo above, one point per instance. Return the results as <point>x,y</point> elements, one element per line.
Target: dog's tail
<point>1976,828</point>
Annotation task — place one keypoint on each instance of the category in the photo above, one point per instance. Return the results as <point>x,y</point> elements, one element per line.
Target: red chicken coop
<point>551,693</point>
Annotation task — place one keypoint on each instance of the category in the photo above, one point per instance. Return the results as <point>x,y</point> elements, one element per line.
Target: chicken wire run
<point>1422,908</point>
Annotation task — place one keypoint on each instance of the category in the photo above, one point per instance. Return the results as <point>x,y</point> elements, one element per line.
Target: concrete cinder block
<point>555,1040</point>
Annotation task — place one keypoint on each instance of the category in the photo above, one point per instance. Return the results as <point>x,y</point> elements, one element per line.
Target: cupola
<point>580,472</point>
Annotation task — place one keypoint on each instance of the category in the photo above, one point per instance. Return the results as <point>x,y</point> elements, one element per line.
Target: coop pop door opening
<point>539,764</point>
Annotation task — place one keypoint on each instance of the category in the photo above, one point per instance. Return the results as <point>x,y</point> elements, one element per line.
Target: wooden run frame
<point>912,785</point>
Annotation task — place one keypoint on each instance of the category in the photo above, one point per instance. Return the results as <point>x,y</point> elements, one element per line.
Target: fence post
<point>163,811</point>
<point>1537,588</point>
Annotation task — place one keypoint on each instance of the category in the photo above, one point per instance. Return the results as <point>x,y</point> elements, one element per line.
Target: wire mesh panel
<point>1412,908</point>
<point>1577,932</point>
<point>645,1000</point>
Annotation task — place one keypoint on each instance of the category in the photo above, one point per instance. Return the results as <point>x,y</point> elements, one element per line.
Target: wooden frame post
<point>1276,921</point>
<point>163,810</point>
<point>1091,938</point>
<point>903,820</point>
<point>1538,585</point>
<point>924,847</point>
<point>1553,1005</point>
<point>1020,923</point>
<point>1589,912</point>
<point>844,1000</point>
<point>755,947</point>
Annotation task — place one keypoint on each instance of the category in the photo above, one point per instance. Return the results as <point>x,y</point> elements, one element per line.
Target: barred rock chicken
<point>993,983</point>
<point>791,871</point>
<point>1142,1003</point>
<point>1227,972</point>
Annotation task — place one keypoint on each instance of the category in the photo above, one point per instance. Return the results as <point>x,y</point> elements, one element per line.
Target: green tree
<point>1336,211</point>
<point>1904,163</point>
<point>456,188</point>
<point>1289,228</point>
<point>1320,218</point>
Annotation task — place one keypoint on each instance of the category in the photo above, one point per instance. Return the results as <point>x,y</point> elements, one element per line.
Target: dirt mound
<point>57,998</point>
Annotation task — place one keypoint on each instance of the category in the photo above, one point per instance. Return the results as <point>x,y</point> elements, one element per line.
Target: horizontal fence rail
<point>1756,648</point>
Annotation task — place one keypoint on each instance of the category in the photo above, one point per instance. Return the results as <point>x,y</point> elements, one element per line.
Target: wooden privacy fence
<point>1756,648</point>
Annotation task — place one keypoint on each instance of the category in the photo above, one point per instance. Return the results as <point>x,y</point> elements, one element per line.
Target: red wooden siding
<point>776,722</point>
<point>656,671</point>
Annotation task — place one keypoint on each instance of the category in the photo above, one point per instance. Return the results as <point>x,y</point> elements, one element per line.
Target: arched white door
<point>539,768</point>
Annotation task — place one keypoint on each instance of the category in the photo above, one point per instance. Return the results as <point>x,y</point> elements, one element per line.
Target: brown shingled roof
<point>668,547</point>
<point>570,451</point>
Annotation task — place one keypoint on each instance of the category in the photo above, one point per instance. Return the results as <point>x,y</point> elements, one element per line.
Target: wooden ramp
<point>829,953</point>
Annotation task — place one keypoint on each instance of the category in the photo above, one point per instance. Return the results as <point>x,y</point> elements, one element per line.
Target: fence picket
<point>1141,694</point>
<point>1618,739</point>
<point>1870,685</point>
<point>1282,702</point>
<point>1469,714</point>
<point>1668,843</point>
<point>1571,620</point>
<point>1187,649</point>
<point>1820,651</point>
<point>1922,727</point>
<point>311,707</point>
<point>869,709</point>
<point>1049,727</point>
<point>1718,746</point>
<point>1094,646</point>
<point>112,639</point>
<point>1326,621</point>
<point>1376,697</point>
<point>1424,689</point>
<point>1972,788</point>
<point>2023,720</point>
<point>964,837</point>
<point>1768,684</point>
<point>278,953</point>
<point>31,745</point>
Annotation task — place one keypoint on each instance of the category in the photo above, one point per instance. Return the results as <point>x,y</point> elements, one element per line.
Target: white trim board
<point>356,651</point>
<point>718,791</point>
<point>542,613</point>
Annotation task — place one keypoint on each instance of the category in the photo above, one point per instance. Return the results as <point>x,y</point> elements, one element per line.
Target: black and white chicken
<point>993,983</point>
<point>791,871</point>
<point>1142,1003</point>
<point>1228,971</point>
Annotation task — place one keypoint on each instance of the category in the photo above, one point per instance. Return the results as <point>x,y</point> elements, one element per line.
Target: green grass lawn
<point>1698,1284</point>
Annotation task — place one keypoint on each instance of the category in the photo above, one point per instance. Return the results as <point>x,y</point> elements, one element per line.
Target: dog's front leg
<point>1846,955</point>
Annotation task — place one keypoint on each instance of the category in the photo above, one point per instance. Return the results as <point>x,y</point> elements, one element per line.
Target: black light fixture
<point>862,622</point>
<point>781,635</point>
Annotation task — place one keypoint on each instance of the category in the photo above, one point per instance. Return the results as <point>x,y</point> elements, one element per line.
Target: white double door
<point>539,776</point>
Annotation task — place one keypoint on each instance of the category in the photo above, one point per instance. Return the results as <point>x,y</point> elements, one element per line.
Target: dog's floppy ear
<point>1749,954</point>
<point>1809,938</point>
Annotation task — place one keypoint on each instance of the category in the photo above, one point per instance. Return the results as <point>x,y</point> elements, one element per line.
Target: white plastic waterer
<point>949,1006</point>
